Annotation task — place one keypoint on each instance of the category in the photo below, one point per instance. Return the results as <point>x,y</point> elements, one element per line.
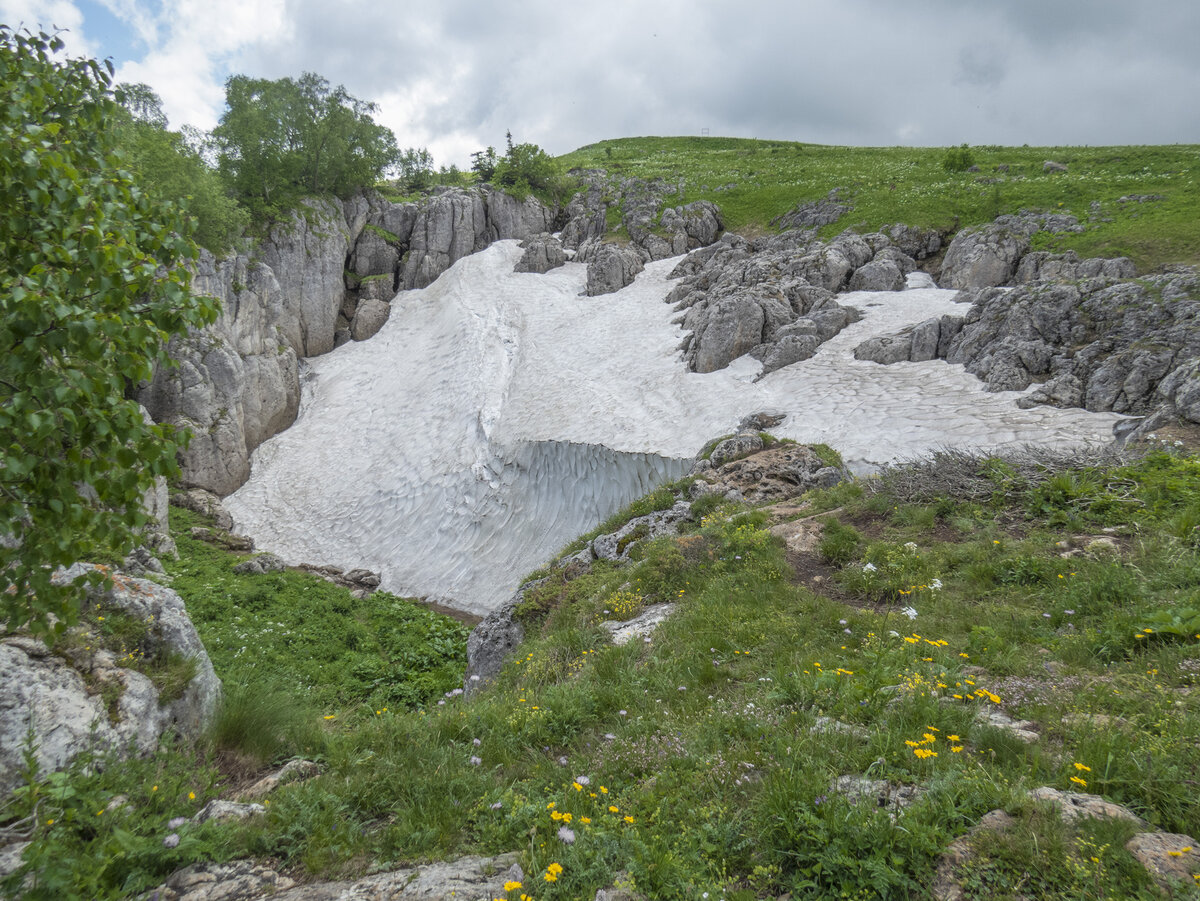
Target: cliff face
<point>324,278</point>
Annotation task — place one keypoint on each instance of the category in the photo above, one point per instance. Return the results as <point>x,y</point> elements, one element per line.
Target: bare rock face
<point>237,382</point>
<point>988,256</point>
<point>611,267</point>
<point>59,695</point>
<point>543,252</point>
<point>494,639</point>
<point>617,545</point>
<point>369,318</point>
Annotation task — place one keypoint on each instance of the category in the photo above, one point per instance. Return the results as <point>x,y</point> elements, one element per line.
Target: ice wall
<point>498,415</point>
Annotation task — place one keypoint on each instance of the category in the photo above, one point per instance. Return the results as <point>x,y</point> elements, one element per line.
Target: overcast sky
<point>454,75</point>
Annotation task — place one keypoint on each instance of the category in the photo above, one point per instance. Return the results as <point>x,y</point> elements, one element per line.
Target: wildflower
<point>475,761</point>
<point>628,819</point>
<point>171,841</point>
<point>910,612</point>
<point>953,738</point>
<point>154,789</point>
<point>567,836</point>
<point>582,780</point>
<point>475,741</point>
<point>1079,782</point>
<point>512,885</point>
<point>1083,768</point>
<point>575,785</point>
<point>585,820</point>
<point>603,790</point>
<point>497,805</point>
<point>868,567</point>
<point>956,748</point>
<point>191,796</point>
<point>613,809</point>
<point>331,716</point>
<point>552,872</point>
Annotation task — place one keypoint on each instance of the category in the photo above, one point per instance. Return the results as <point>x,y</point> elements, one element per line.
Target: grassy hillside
<point>756,181</point>
<point>703,759</point>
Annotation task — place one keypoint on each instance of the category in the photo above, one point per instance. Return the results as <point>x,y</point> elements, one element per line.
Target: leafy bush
<point>958,159</point>
<point>839,543</point>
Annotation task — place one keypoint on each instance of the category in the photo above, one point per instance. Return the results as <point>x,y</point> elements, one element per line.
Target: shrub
<point>958,159</point>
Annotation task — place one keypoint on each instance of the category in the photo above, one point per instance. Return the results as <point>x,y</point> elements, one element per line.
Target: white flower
<point>910,545</point>
<point>475,761</point>
<point>566,835</point>
<point>910,612</point>
<point>868,567</point>
<point>935,585</point>
<point>583,780</point>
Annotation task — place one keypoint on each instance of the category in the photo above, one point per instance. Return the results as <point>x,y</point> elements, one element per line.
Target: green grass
<point>702,738</point>
<point>761,180</point>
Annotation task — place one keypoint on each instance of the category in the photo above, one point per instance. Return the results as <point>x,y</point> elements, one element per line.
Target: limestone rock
<point>815,213</point>
<point>616,545</point>
<point>983,257</point>
<point>1023,730</point>
<point>777,473</point>
<point>878,275</point>
<point>369,318</point>
<point>543,252</point>
<point>237,880</point>
<point>58,698</point>
<point>611,267</point>
<point>917,243</point>
<point>641,626</point>
<point>1171,859</point>
<point>492,642</point>
<point>887,796</point>
<point>464,879</point>
<point>741,445</point>
<point>263,563</point>
<point>1073,806</point>
<point>946,884</point>
<point>206,503</point>
<point>228,812</point>
<point>292,771</point>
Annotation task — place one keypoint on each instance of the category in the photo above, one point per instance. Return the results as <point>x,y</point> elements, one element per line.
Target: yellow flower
<point>612,809</point>
<point>191,796</point>
<point>1078,781</point>
<point>956,748</point>
<point>603,790</point>
<point>953,738</point>
<point>555,815</point>
<point>577,786</point>
<point>1083,768</point>
<point>330,716</point>
<point>550,806</point>
<point>628,819</point>
<point>154,789</point>
<point>511,886</point>
<point>566,818</point>
<point>585,820</point>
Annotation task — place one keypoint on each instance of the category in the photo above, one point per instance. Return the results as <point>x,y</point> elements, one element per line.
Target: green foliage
<point>958,159</point>
<point>282,140</point>
<point>839,543</point>
<point>167,165</point>
<point>340,653</point>
<point>91,288</point>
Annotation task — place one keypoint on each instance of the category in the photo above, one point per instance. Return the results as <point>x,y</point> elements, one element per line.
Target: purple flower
<point>566,835</point>
<point>475,761</point>
<point>171,841</point>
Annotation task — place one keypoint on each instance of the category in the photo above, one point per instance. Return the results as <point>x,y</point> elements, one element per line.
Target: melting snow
<point>498,415</point>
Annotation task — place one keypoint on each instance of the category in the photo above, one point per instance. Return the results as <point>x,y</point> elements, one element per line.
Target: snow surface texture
<point>498,415</point>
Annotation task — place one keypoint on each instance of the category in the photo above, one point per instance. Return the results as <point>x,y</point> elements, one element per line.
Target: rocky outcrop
<point>814,214</point>
<point>1042,267</point>
<point>325,277</point>
<point>464,879</point>
<point>493,640</point>
<point>773,298</point>
<point>610,267</point>
<point>1101,344</point>
<point>617,545</point>
<point>655,229</point>
<point>988,256</point>
<point>80,697</point>
<point>543,252</point>
<point>765,476</point>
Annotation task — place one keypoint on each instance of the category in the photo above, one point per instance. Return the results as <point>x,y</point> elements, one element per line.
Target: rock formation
<point>79,697</point>
<point>325,277</point>
<point>1101,343</point>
